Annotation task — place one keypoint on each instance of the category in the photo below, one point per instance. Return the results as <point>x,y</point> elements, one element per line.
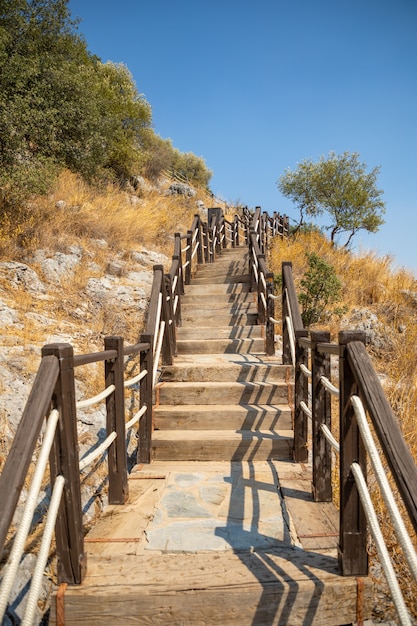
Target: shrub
<point>320,287</point>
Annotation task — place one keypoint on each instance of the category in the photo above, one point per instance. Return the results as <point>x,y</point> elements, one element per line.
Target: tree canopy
<point>60,106</point>
<point>340,186</point>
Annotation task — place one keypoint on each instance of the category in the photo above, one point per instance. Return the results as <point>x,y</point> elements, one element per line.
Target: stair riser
<point>240,332</point>
<point>226,319</point>
<point>233,393</point>
<point>255,450</point>
<point>210,301</point>
<point>218,346</point>
<point>229,372</point>
<point>223,420</point>
<point>219,288</point>
<point>214,279</point>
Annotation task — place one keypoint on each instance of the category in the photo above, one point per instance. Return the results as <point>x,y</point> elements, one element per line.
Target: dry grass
<point>120,217</point>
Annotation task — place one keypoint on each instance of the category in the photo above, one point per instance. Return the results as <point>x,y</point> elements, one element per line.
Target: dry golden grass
<point>122,218</point>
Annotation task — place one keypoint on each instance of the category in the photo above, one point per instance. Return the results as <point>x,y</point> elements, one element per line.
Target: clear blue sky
<point>255,87</point>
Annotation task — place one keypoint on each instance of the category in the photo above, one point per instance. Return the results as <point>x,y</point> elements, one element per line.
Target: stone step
<point>180,393</point>
<point>222,445</point>
<point>199,370</point>
<point>222,332</point>
<point>223,417</point>
<point>220,346</point>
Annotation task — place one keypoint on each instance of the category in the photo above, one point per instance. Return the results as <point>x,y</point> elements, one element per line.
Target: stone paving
<point>236,507</point>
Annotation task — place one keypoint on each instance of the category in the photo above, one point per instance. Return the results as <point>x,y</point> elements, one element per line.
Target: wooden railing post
<point>260,290</point>
<point>301,394</point>
<point>64,461</point>
<point>146,390</point>
<point>170,323</point>
<point>115,421</point>
<point>290,309</point>
<point>199,240</point>
<point>353,557</point>
<point>188,257</point>
<point>270,315</point>
<point>321,414</point>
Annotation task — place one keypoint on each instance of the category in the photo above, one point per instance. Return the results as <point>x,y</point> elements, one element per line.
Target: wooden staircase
<point>222,400</point>
<point>221,528</point>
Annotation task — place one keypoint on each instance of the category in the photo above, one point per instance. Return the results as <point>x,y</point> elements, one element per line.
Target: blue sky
<point>256,87</point>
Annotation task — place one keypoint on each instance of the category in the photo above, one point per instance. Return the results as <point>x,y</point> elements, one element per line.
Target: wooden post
<point>171,326</point>
<point>199,240</point>
<point>188,257</point>
<point>115,421</point>
<point>270,313</point>
<point>301,394</point>
<point>146,388</point>
<point>177,250</point>
<point>168,340</point>
<point>286,346</point>
<point>321,414</point>
<point>353,557</point>
<point>260,289</point>
<point>64,461</point>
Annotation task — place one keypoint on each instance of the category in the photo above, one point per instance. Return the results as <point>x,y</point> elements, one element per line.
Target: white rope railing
<point>10,569</point>
<point>175,304</point>
<point>136,417</point>
<point>271,295</point>
<point>82,404</point>
<point>263,281</point>
<point>174,283</point>
<point>306,409</point>
<point>274,321</point>
<point>328,434</point>
<point>157,319</point>
<point>158,351</point>
<point>97,452</point>
<point>380,545</point>
<point>329,386</point>
<point>195,250</point>
<point>195,235</point>
<point>305,370</point>
<point>255,271</point>
<point>185,249</point>
<point>43,555</point>
<point>135,379</point>
<point>399,526</point>
<point>291,338</point>
<point>263,299</point>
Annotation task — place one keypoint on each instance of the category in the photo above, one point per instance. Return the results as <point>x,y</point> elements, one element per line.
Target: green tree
<point>340,186</point>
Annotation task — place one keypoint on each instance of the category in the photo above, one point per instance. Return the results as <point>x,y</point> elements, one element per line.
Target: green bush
<point>320,288</point>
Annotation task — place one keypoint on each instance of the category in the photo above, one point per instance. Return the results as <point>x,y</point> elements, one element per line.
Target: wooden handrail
<point>357,377</point>
<point>27,433</point>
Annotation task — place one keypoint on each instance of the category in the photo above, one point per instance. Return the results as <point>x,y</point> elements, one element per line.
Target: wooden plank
<point>316,523</point>
<point>221,445</point>
<point>285,586</point>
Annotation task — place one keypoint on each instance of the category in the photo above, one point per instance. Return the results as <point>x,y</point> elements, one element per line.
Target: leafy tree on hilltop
<point>339,186</point>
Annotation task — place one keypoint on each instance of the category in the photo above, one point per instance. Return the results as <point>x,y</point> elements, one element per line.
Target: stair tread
<point>222,435</point>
